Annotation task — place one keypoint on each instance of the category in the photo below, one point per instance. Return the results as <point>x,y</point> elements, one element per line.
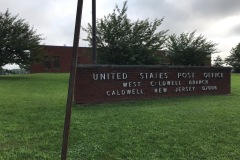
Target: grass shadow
<point>12,77</point>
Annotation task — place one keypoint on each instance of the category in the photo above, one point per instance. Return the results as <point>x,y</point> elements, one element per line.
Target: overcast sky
<point>217,20</point>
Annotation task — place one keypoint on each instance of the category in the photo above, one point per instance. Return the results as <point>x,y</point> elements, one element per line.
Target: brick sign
<point>105,83</point>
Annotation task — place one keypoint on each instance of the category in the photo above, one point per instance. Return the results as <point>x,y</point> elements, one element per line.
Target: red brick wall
<point>105,83</point>
<point>65,54</point>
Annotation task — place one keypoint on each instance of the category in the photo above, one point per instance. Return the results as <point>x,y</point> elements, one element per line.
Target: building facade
<point>58,59</point>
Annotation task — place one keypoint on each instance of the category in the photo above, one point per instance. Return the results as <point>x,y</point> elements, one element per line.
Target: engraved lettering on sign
<point>185,75</point>
<point>165,83</point>
<point>195,82</point>
<point>125,92</point>
<point>109,76</point>
<point>131,84</point>
<point>184,89</point>
<point>213,75</point>
<point>160,90</point>
<point>155,75</point>
<point>209,88</point>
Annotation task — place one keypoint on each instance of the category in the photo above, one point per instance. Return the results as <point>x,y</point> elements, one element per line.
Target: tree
<point>18,42</point>
<point>121,41</point>
<point>188,49</point>
<point>234,58</point>
<point>218,62</point>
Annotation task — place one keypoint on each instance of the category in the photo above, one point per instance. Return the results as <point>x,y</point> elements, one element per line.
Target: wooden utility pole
<point>72,80</point>
<point>94,45</point>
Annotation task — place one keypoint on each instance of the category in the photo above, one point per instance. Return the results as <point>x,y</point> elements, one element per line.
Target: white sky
<point>217,20</point>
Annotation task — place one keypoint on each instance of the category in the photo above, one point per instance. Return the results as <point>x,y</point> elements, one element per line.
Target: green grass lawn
<point>32,110</point>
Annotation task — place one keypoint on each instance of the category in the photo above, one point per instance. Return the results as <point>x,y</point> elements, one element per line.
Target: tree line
<point>119,41</point>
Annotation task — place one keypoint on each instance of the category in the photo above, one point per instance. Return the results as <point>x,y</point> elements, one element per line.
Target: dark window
<point>47,63</point>
<point>56,62</point>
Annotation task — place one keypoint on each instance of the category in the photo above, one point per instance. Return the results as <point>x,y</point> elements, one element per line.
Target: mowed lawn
<point>32,111</point>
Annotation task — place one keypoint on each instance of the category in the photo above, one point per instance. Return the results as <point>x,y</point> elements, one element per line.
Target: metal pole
<point>94,56</point>
<point>71,80</point>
